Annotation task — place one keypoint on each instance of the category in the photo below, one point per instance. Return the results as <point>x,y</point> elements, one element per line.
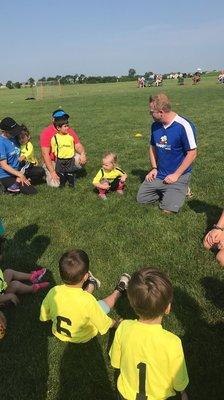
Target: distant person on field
<point>63,148</point>
<point>48,158</point>
<point>75,313</point>
<point>150,358</point>
<point>215,240</point>
<point>172,150</point>
<point>28,161</point>
<point>11,178</point>
<point>109,177</point>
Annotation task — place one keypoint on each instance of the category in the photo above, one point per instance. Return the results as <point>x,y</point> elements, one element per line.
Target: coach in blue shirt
<point>172,150</point>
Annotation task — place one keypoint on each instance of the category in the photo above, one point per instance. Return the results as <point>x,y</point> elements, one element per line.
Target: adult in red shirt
<point>48,157</point>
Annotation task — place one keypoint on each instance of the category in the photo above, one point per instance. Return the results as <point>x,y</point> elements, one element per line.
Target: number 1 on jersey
<point>142,378</point>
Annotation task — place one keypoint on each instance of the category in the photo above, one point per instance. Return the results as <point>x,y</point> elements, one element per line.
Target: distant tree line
<point>80,79</point>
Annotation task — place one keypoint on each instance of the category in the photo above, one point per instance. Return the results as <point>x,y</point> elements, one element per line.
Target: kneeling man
<point>172,150</point>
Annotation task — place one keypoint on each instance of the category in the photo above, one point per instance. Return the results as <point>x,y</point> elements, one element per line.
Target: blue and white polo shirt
<point>172,142</point>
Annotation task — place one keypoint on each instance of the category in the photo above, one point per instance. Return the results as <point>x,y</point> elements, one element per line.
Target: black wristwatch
<point>218,227</point>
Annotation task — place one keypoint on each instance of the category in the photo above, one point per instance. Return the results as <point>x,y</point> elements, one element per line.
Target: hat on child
<point>60,113</point>
<point>10,125</point>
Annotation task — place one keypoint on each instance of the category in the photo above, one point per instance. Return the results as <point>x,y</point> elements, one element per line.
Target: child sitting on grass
<point>28,161</point>
<point>75,313</point>
<point>110,176</point>
<point>63,148</point>
<point>150,359</point>
<point>10,281</point>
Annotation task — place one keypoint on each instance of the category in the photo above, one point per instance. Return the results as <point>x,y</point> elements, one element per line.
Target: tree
<point>131,73</point>
<point>31,82</point>
<point>9,85</point>
<point>17,85</point>
<point>82,78</point>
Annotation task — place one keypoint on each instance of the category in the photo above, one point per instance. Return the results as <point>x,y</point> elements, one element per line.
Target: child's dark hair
<point>149,292</point>
<point>25,129</point>
<point>73,265</point>
<point>58,122</point>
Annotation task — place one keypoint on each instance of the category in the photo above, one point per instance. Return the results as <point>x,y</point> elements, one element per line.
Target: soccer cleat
<point>14,188</point>
<point>123,283</point>
<point>39,286</point>
<point>37,275</point>
<point>93,281</point>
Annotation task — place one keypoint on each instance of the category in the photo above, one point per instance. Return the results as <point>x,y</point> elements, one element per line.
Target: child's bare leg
<point>90,288</point>
<point>11,275</point>
<point>112,298</point>
<point>119,289</point>
<point>220,257</point>
<point>19,287</point>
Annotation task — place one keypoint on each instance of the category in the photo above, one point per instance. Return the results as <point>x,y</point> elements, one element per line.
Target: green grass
<point>119,235</point>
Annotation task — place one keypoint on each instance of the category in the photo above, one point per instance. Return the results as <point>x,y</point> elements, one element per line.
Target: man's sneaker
<point>39,286</point>
<point>123,283</point>
<point>93,281</point>
<point>37,275</point>
<point>15,188</point>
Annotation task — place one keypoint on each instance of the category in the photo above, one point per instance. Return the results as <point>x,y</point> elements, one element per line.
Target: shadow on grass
<point>24,350</point>
<point>80,173</point>
<point>212,211</point>
<point>83,373</point>
<point>140,173</point>
<point>25,248</point>
<point>202,345</point>
<point>214,291</point>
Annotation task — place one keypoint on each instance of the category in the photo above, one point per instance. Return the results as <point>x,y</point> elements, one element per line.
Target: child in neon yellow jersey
<point>150,359</point>
<point>110,176</point>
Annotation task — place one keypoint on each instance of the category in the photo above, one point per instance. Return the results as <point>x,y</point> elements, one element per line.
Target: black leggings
<point>6,182</point>
<point>35,173</point>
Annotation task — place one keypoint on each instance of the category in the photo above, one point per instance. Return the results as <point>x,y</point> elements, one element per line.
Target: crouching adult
<point>46,135</point>
<point>11,178</point>
<point>172,150</point>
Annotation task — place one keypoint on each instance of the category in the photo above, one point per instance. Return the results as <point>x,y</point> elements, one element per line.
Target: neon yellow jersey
<point>110,176</point>
<point>76,315</point>
<point>150,359</point>
<point>27,151</point>
<point>63,146</point>
<point>3,283</point>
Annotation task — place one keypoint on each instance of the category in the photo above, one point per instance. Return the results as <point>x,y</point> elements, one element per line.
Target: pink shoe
<point>102,196</point>
<point>120,187</point>
<point>37,275</point>
<point>39,286</point>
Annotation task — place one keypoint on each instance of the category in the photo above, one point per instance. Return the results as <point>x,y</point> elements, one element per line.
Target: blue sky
<point>97,37</point>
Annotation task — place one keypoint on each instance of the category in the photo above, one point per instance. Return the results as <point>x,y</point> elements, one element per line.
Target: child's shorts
<point>104,306</point>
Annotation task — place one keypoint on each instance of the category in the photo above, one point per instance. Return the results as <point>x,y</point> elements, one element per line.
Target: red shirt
<point>47,134</point>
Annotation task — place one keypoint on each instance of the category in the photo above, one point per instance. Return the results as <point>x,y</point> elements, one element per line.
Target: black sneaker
<point>123,283</point>
<point>93,281</point>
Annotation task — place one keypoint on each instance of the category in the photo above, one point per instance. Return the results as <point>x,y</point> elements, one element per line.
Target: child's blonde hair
<point>113,157</point>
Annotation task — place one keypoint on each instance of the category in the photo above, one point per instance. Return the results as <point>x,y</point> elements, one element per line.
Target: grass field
<point>119,235</point>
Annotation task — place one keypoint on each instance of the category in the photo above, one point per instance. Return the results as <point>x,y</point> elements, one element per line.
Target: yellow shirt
<point>63,146</point>
<point>150,359</point>
<point>27,150</point>
<point>109,175</point>
<point>3,284</point>
<point>76,315</point>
